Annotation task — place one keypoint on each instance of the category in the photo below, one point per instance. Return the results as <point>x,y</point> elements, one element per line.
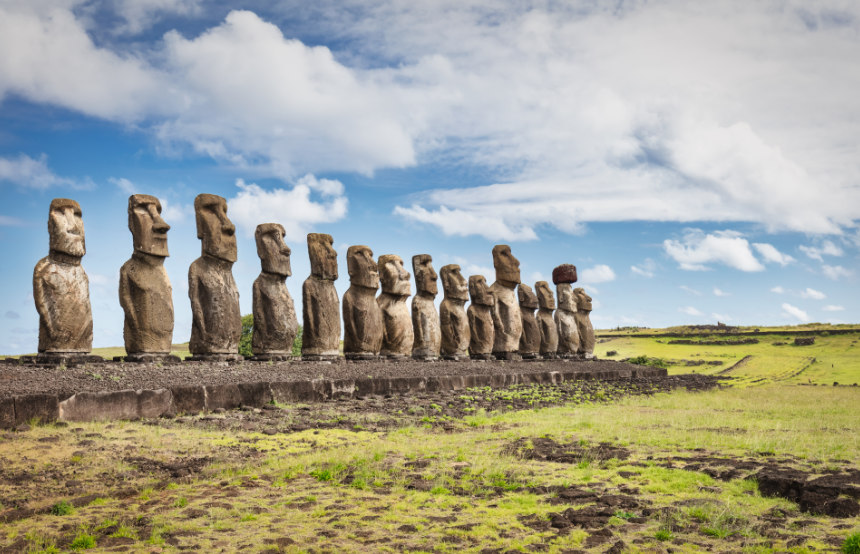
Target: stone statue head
<point>566,301</point>
<point>66,228</point>
<point>322,255</point>
<point>273,251</point>
<point>394,277</point>
<point>148,230</point>
<point>214,228</point>
<point>507,267</point>
<point>583,301</point>
<point>480,292</point>
<point>544,294</point>
<point>453,283</point>
<point>425,275</point>
<point>527,298</point>
<point>363,271</point>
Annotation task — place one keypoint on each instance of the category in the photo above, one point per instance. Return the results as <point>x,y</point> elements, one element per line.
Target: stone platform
<point>114,390</point>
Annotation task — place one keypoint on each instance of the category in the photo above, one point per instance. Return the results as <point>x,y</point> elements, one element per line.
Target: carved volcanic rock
<point>565,273</point>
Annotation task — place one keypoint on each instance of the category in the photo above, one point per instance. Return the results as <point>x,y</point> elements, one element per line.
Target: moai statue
<point>565,321</point>
<point>397,334</point>
<point>425,319</point>
<point>321,306</point>
<point>506,312</point>
<point>275,322</point>
<point>480,314</point>
<point>362,317</point>
<point>61,288</point>
<point>545,321</point>
<point>453,321</point>
<point>565,318</point>
<point>583,323</point>
<point>145,293</point>
<point>530,339</point>
<point>216,323</point>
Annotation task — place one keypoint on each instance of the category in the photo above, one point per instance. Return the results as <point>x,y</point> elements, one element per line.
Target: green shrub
<point>62,508</point>
<point>851,544</point>
<point>663,535</point>
<point>83,541</point>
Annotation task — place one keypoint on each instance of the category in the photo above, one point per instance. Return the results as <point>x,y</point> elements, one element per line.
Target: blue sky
<point>695,162</point>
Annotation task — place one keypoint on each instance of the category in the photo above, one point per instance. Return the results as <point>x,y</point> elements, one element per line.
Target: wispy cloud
<point>771,255</point>
<point>833,308</point>
<point>600,273</point>
<point>813,294</point>
<point>690,310</point>
<point>123,184</point>
<point>836,272</point>
<point>778,290</point>
<point>827,248</point>
<point>690,290</point>
<point>645,269</point>
<point>720,292</point>
<point>27,172</point>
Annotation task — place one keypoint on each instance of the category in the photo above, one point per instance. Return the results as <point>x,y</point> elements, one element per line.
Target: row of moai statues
<point>500,322</point>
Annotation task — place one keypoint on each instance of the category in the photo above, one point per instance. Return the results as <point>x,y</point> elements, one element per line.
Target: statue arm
<point>40,296</point>
<point>196,306</point>
<point>125,297</point>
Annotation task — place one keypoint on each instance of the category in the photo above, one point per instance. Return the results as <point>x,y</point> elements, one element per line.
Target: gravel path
<point>22,379</point>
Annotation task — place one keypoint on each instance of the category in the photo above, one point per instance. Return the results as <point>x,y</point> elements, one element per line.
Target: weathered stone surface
<point>362,316</point>
<point>425,319</point>
<point>255,395</point>
<point>275,321</point>
<point>506,310</point>
<point>100,406</point>
<point>530,339</point>
<point>7,412</point>
<point>546,323</point>
<point>397,334</point>
<point>145,293</point>
<point>565,273</point>
<point>225,397</point>
<point>480,314</point>
<point>583,323</point>
<point>321,306</point>
<point>154,403</point>
<point>42,407</point>
<point>565,321</point>
<point>216,322</point>
<point>453,322</point>
<point>61,289</point>
<point>188,400</point>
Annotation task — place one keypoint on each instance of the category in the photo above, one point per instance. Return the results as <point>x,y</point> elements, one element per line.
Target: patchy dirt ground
<point>424,472</point>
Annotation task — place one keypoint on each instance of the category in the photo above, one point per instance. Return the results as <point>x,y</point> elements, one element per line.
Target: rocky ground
<point>18,378</point>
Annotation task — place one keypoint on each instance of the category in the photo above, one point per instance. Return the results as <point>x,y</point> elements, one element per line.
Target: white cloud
<point>718,292</point>
<point>833,308</point>
<point>813,294</point>
<point>778,290</point>
<point>9,221</point>
<point>697,249</point>
<point>794,312</point>
<point>293,208</point>
<point>690,310</point>
<point>721,317</point>
<point>827,248</point>
<point>835,272</point>
<point>645,269</point>
<point>123,184</point>
<point>771,254</point>
<point>690,290</point>
<point>600,273</point>
<point>175,212</point>
<point>27,172</point>
<point>588,130</point>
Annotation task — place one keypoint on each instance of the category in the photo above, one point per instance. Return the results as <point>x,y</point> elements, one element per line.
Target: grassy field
<point>774,359</point>
<point>666,472</point>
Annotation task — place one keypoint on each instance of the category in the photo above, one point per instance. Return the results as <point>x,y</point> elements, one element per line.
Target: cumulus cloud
<point>835,272</point>
<point>795,312</point>
<point>813,294</point>
<point>719,292</point>
<point>296,209</point>
<point>827,248</point>
<point>175,212</point>
<point>833,308</point>
<point>771,255</point>
<point>697,249</point>
<point>590,130</point>
<point>645,269</point>
<point>690,310</point>
<point>27,172</point>
<point>778,290</point>
<point>600,273</point>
